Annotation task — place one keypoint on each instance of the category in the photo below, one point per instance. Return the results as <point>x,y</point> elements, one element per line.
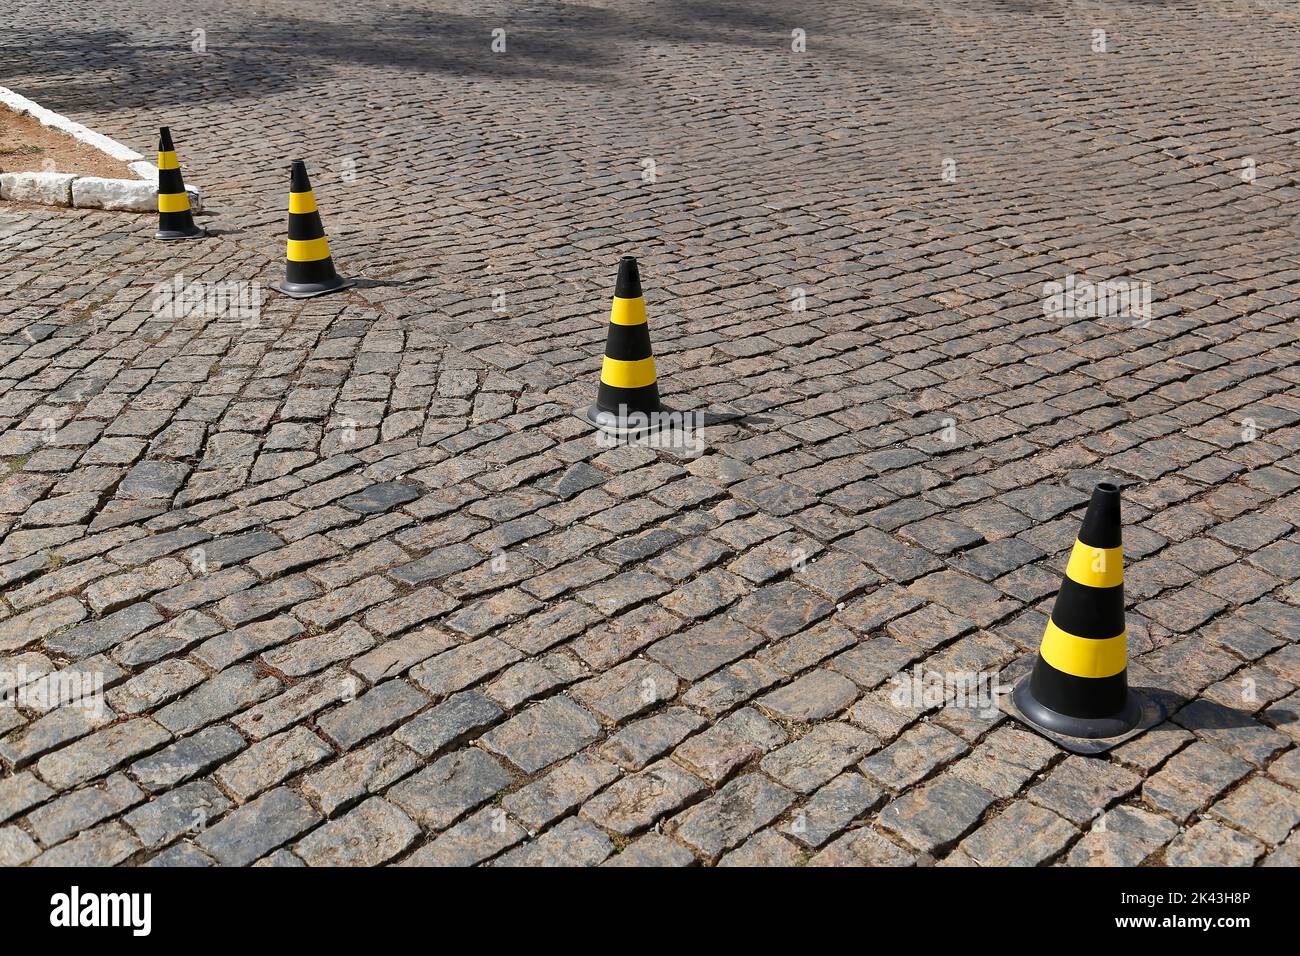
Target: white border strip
<point>84,192</point>
<point>21,104</point>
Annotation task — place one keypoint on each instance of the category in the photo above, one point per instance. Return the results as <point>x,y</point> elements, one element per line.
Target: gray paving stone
<point>299,701</point>
<point>819,755</point>
<point>1191,779</point>
<point>393,657</point>
<point>729,744</point>
<point>269,762</point>
<point>172,637</point>
<point>369,835</point>
<point>1261,809</point>
<point>357,774</point>
<point>82,809</point>
<point>187,758</point>
<point>701,650</point>
<point>463,666</point>
<point>20,792</point>
<point>573,842</point>
<point>626,690</point>
<point>1209,844</point>
<point>94,637</point>
<point>187,809</point>
<point>639,800</point>
<point>221,695</point>
<point>1124,836</point>
<point>440,794</point>
<point>1079,789</point>
<point>240,643</point>
<point>458,717</point>
<point>377,710</point>
<point>27,628</point>
<point>256,828</point>
<point>559,791</point>
<point>1225,728</point>
<point>765,848</point>
<point>937,814</point>
<point>101,752</point>
<point>154,687</point>
<point>732,814</point>
<point>831,809</point>
<point>863,847</point>
<point>311,654</point>
<point>652,849</point>
<point>16,847</point>
<point>106,845</point>
<point>51,731</point>
<point>1021,835</point>
<point>541,734</point>
<point>477,838</point>
<point>815,696</point>
<point>651,737</point>
<point>730,686</point>
<point>913,756</point>
<point>1005,761</point>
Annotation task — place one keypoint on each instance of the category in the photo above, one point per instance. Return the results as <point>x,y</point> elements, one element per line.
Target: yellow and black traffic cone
<point>175,221</point>
<point>1079,685</point>
<point>308,269</point>
<point>628,397</point>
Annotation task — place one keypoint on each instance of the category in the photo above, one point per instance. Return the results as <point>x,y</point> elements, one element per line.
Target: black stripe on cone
<point>628,394</point>
<point>175,219</point>
<point>1074,705</point>
<point>309,267</point>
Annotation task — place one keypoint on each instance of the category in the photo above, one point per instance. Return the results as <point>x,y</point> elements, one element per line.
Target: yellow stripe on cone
<point>1083,656</point>
<point>1096,567</point>
<point>173,202</point>
<point>628,311</point>
<point>308,250</point>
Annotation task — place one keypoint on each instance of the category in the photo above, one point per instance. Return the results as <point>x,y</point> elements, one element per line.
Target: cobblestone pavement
<point>363,590</point>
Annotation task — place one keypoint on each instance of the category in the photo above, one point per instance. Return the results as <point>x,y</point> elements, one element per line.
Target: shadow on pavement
<point>96,69</point>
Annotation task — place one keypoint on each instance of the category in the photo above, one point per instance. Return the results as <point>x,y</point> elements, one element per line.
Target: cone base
<point>611,424</point>
<point>1090,728</point>
<point>171,235</point>
<point>307,290</point>
<point>1088,737</point>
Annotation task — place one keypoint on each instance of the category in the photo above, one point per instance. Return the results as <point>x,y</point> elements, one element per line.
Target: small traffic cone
<point>1078,692</point>
<point>629,392</point>
<point>175,221</point>
<point>308,268</point>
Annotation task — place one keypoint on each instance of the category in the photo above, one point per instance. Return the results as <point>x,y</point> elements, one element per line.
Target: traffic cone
<point>308,268</point>
<point>629,390</point>
<point>1078,691</point>
<point>175,221</point>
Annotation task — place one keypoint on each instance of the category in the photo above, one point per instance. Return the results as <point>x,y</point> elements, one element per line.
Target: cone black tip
<point>629,279</point>
<point>298,181</point>
<point>1101,525</point>
<point>165,138</point>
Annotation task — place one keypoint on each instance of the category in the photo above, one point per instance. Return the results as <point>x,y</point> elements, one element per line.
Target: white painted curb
<point>85,192</point>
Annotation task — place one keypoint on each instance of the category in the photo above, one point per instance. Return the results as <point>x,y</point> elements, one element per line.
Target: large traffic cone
<point>1078,691</point>
<point>629,392</point>
<point>308,269</point>
<point>175,221</point>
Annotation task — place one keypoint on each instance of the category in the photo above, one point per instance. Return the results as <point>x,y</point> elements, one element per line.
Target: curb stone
<point>85,192</point>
